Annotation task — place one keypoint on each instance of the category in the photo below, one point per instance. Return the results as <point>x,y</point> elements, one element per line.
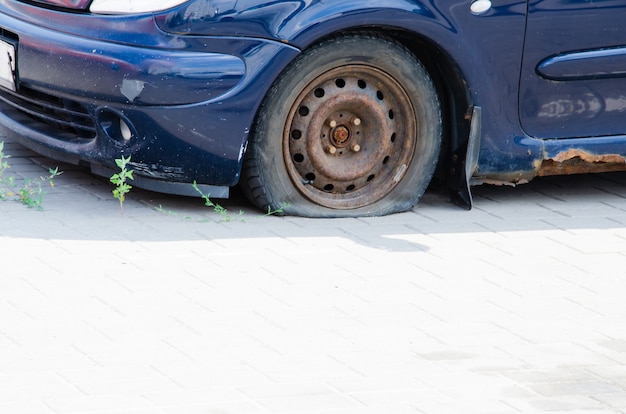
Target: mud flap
<point>460,191</point>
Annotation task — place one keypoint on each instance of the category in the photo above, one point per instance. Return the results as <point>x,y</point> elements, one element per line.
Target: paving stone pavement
<point>514,307</point>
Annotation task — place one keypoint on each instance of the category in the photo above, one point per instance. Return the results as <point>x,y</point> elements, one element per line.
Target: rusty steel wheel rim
<point>350,137</point>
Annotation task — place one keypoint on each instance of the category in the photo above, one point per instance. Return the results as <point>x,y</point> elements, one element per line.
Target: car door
<point>573,79</point>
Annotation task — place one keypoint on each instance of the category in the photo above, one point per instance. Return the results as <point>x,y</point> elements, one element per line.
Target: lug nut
<point>331,150</point>
<point>332,123</point>
<point>356,121</point>
<point>356,148</point>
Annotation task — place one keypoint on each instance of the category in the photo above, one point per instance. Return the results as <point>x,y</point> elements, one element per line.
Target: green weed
<point>30,192</point>
<point>218,209</point>
<point>120,180</point>
<point>224,214</point>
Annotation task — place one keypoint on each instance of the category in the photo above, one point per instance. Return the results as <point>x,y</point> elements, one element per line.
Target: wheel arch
<point>453,93</point>
<point>455,99</point>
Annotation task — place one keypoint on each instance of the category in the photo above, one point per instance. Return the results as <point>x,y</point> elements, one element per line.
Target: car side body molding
<point>584,65</point>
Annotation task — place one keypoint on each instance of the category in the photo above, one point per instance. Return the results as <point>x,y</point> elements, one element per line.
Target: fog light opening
<point>116,127</point>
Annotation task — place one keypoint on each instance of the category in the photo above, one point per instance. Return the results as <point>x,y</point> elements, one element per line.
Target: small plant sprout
<point>7,181</point>
<point>278,211</point>
<point>224,214</point>
<point>31,192</point>
<point>120,180</point>
<point>219,209</point>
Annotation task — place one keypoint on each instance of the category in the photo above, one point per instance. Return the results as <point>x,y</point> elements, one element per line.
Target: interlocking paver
<point>514,307</point>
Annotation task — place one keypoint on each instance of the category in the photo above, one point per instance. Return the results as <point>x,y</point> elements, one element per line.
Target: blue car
<point>331,107</point>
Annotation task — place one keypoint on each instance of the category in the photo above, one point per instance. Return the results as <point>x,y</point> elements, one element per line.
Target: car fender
<point>300,23</point>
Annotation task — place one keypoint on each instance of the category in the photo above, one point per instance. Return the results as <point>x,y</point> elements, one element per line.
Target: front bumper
<point>90,89</point>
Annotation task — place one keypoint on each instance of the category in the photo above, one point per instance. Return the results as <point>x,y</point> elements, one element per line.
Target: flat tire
<point>351,128</point>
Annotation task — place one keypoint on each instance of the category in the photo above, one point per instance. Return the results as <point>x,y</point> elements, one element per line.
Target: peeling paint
<point>577,161</point>
<point>588,157</point>
<point>242,151</point>
<point>132,88</point>
<point>159,171</point>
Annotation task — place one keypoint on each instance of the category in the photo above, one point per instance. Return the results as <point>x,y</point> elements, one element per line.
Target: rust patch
<point>576,161</point>
<point>588,157</point>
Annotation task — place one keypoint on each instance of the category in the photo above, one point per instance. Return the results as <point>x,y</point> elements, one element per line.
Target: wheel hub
<point>349,137</point>
<point>341,136</point>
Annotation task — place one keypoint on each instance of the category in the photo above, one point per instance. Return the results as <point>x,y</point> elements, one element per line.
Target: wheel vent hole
<point>380,95</point>
<point>391,114</point>
<point>340,83</point>
<point>303,111</point>
<point>393,137</point>
<point>329,187</point>
<point>298,157</point>
<point>319,92</point>
<point>386,160</point>
<point>362,84</point>
<point>370,178</point>
<point>296,134</point>
<point>351,187</point>
<point>310,177</point>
